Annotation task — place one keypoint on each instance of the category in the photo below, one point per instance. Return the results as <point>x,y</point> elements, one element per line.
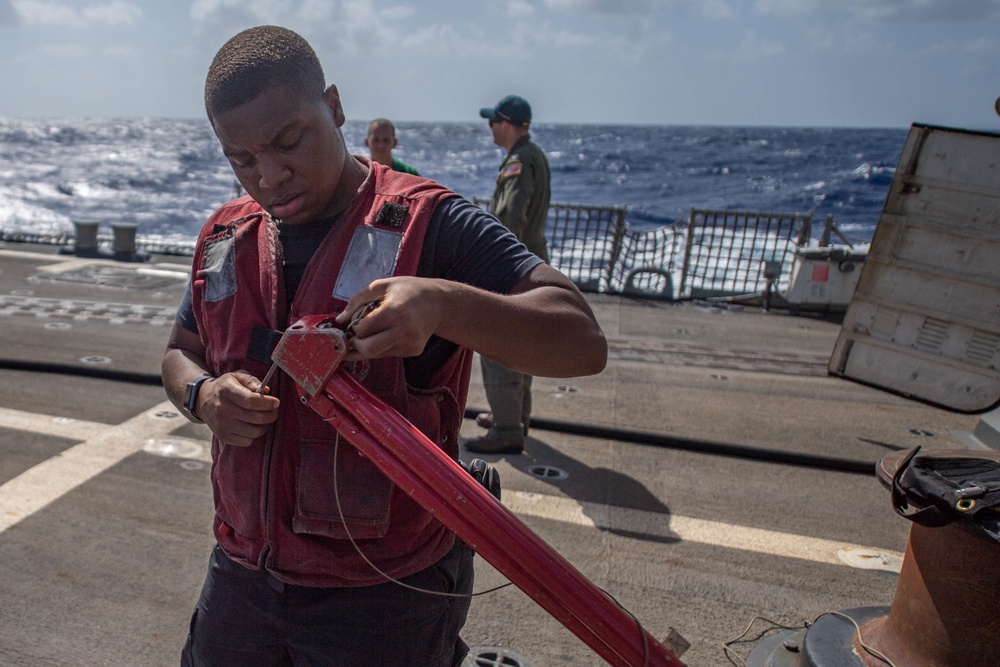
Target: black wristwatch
<point>192,395</point>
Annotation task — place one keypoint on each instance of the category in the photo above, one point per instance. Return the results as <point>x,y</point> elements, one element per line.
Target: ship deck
<point>707,478</point>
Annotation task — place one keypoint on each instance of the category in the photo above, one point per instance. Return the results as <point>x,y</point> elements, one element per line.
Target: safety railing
<point>99,245</point>
<point>736,252</point>
<point>712,253</point>
<point>584,242</point>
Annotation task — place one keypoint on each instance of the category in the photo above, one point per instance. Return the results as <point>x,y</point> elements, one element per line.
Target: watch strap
<point>193,388</point>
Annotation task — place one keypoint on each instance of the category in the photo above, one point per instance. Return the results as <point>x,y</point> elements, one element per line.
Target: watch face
<point>192,392</point>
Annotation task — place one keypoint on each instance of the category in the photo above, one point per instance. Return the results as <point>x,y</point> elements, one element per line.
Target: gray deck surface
<point>104,539</point>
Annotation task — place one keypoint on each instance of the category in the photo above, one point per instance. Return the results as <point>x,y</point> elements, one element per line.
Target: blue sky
<point>861,63</point>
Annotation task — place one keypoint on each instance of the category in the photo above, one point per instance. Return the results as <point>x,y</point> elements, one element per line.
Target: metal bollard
<point>943,613</point>
<point>123,244</point>
<point>85,238</point>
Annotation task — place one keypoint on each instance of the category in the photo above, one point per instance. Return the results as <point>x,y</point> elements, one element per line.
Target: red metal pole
<point>422,470</point>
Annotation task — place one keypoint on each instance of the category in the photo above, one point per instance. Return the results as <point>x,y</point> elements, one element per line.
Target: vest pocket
<point>438,416</point>
<point>236,475</point>
<point>355,493</point>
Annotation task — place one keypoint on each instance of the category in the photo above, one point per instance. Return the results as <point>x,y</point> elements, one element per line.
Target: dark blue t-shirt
<point>463,244</point>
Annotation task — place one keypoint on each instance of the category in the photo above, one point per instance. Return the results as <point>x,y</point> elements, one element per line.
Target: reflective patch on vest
<point>219,269</point>
<point>371,255</point>
<point>391,215</point>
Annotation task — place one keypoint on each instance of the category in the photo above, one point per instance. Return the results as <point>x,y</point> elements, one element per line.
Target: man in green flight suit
<point>521,202</point>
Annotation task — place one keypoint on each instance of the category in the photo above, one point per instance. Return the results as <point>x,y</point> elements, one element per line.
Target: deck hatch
<point>924,320</point>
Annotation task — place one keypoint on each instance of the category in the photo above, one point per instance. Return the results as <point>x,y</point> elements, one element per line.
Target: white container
<point>824,278</point>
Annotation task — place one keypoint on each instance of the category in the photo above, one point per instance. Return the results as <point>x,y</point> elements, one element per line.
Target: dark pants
<point>247,618</point>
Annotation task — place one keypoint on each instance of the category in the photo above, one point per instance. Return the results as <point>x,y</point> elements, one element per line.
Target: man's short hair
<point>257,60</point>
<point>381,122</point>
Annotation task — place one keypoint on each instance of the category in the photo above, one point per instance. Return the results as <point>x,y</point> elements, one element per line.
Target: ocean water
<point>169,174</point>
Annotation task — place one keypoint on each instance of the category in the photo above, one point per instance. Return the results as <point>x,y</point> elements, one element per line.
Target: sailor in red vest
<point>320,559</point>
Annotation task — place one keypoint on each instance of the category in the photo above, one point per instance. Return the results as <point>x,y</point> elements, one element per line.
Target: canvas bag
<point>938,490</point>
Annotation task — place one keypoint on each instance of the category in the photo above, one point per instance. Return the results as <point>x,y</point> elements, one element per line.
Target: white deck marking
<point>59,427</point>
<point>103,446</point>
<point>101,311</point>
<point>687,529</point>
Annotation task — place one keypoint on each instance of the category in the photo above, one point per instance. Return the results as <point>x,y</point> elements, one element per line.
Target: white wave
<point>37,191</point>
<point>88,190</point>
<point>21,216</point>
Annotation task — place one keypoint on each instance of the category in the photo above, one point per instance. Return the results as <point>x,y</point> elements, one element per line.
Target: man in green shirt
<point>521,202</point>
<point>381,140</point>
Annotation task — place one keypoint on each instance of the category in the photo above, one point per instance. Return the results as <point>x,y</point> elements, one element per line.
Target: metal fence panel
<point>712,253</point>
<point>647,264</point>
<point>584,242</point>
<point>725,252</point>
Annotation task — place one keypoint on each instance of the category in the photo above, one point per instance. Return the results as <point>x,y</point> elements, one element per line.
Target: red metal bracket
<point>311,352</point>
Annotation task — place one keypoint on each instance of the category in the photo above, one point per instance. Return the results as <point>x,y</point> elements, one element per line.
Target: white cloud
<point>120,51</point>
<point>886,9</point>
<point>784,7</point>
<point>243,11</point>
<point>523,43</point>
<point>604,7</point>
<point>8,15</point>
<point>632,46</point>
<point>343,15</point>
<point>715,9</point>
<point>845,40</point>
<point>344,25</point>
<point>520,9</point>
<point>49,13</point>
<point>396,13</point>
<point>445,40</point>
<point>74,51</point>
<point>117,12</point>
<point>315,11</point>
<point>718,9</point>
<point>44,13</point>
<point>351,26</point>
<point>938,10</point>
<point>754,48</point>
<point>982,46</point>
<point>546,35</point>
<point>66,51</point>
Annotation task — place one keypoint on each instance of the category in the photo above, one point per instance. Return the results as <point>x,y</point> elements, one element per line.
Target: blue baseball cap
<point>513,109</point>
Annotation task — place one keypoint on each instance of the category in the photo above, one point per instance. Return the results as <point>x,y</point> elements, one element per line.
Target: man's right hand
<point>232,408</point>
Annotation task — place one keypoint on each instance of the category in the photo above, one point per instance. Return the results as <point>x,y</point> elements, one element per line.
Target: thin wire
<point>857,628</point>
<point>343,521</point>
<point>642,631</point>
<point>728,651</point>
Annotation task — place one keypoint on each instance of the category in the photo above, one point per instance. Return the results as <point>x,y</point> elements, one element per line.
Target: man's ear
<point>332,98</point>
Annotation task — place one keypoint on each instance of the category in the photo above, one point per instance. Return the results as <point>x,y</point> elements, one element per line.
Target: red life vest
<point>275,501</point>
